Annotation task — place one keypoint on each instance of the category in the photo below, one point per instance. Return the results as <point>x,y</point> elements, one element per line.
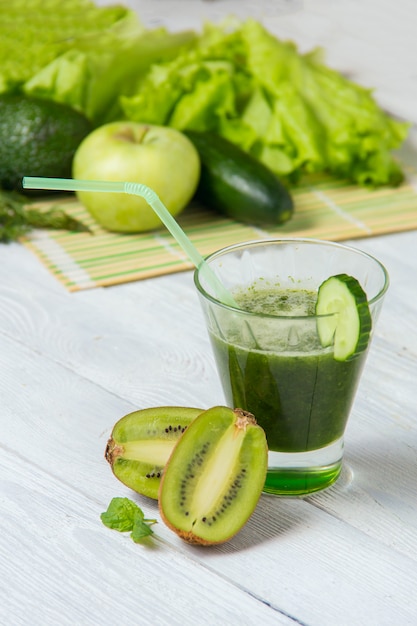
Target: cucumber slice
<point>350,328</point>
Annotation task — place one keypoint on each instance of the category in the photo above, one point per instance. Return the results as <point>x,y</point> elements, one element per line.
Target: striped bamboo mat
<point>324,209</point>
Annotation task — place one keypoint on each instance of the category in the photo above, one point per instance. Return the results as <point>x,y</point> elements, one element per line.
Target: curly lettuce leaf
<point>187,93</point>
<point>33,33</point>
<point>330,122</point>
<point>289,110</point>
<point>80,54</point>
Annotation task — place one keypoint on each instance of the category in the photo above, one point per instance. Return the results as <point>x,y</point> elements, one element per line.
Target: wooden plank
<point>60,414</point>
<point>149,347</point>
<point>292,553</point>
<point>66,568</point>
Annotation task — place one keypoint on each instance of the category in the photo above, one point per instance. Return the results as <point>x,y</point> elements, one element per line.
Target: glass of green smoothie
<point>292,347</point>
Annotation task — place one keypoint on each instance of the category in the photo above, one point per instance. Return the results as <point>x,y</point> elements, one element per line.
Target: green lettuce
<point>237,79</point>
<point>289,110</point>
<point>78,53</point>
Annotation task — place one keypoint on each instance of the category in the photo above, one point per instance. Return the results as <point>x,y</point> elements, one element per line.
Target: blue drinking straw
<point>137,189</point>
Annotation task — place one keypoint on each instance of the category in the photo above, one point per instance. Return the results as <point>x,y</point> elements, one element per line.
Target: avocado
<point>38,137</point>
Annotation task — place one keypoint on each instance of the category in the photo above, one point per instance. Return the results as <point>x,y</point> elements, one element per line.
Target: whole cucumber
<point>237,184</point>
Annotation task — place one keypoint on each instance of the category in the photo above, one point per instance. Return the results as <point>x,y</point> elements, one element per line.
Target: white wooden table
<point>72,364</point>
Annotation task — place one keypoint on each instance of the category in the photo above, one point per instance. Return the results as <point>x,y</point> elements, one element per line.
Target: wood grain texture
<point>73,570</point>
<point>344,556</point>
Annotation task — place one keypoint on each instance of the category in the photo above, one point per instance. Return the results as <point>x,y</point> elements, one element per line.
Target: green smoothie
<point>297,391</point>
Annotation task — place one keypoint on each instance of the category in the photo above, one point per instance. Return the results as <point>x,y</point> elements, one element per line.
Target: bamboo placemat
<point>324,209</point>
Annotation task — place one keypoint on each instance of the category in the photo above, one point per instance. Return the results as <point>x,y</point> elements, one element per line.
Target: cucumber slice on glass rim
<point>347,319</point>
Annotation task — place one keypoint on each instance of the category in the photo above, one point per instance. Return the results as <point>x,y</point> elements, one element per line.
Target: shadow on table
<point>272,518</point>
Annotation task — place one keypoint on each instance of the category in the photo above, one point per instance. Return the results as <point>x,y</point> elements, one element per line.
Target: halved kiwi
<point>214,476</point>
<point>141,443</point>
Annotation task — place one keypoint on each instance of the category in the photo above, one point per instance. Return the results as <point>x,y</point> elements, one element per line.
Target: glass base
<point>302,473</point>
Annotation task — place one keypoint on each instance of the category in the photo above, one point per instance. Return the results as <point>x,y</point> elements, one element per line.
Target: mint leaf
<point>141,529</point>
<point>120,514</point>
<point>124,515</point>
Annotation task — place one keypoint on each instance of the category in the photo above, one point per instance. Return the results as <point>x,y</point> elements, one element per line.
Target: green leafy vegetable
<point>78,53</point>
<point>126,516</point>
<point>289,110</point>
<point>17,217</point>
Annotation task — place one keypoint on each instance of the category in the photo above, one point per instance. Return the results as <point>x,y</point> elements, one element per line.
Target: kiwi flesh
<point>214,476</point>
<point>141,443</point>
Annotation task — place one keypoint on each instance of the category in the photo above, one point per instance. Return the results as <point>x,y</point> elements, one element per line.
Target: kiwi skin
<point>207,499</point>
<point>141,443</point>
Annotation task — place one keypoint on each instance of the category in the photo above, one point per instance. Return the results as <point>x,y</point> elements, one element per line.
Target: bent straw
<point>138,189</point>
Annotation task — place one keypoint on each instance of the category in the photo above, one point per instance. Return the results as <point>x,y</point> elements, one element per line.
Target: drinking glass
<point>271,361</point>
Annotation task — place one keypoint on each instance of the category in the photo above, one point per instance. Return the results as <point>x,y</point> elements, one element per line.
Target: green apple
<point>160,157</point>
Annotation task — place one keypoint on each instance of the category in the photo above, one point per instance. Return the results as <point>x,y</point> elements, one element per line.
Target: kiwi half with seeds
<point>214,476</point>
<point>141,443</point>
